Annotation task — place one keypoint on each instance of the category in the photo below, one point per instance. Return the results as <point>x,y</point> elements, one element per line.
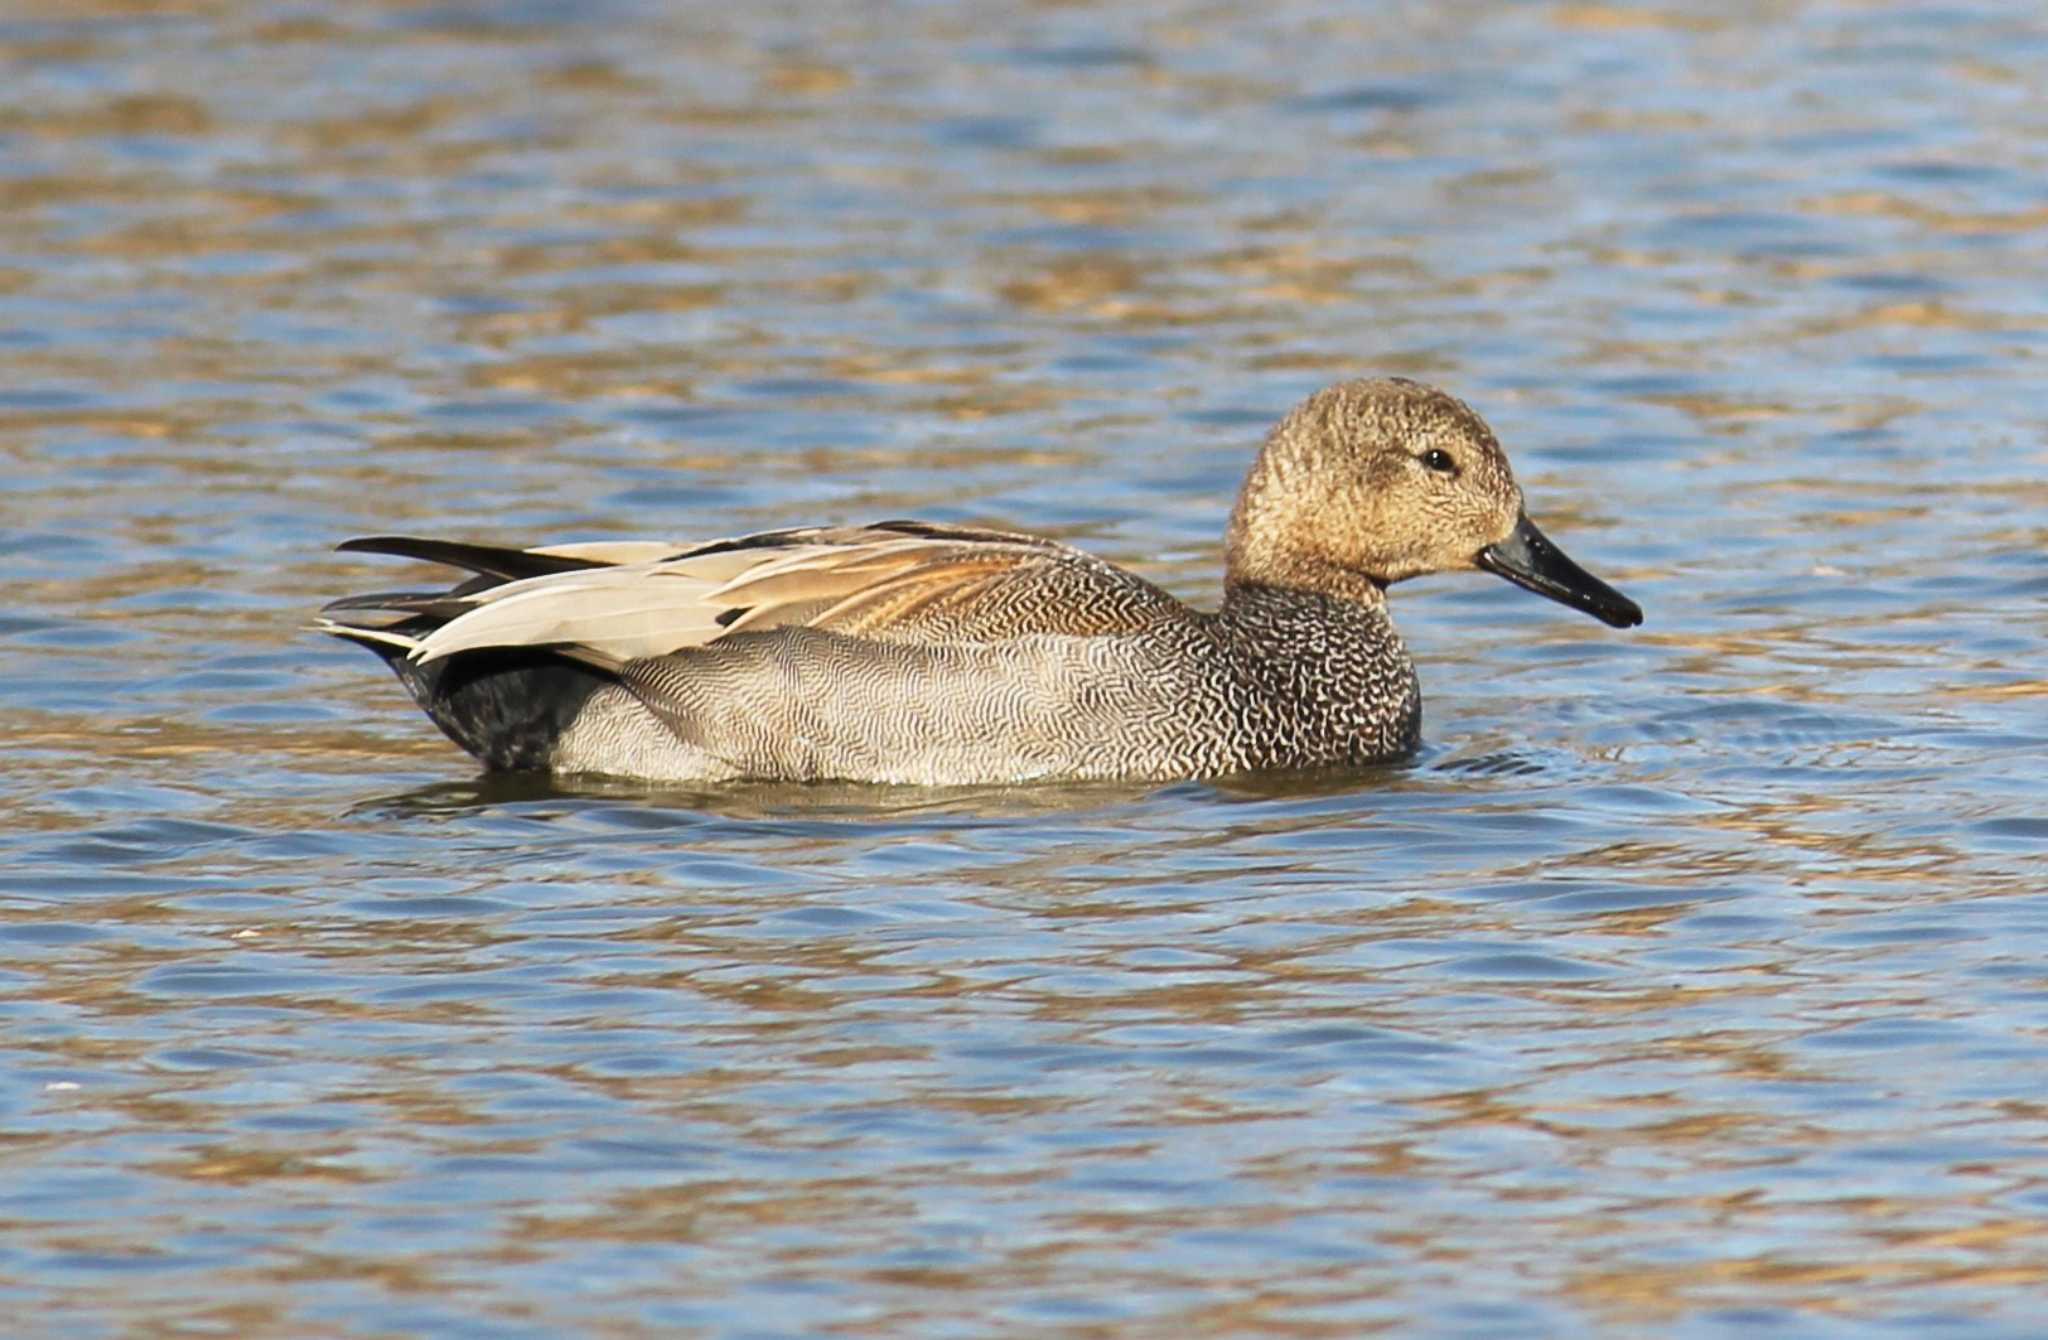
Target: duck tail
<point>507,706</point>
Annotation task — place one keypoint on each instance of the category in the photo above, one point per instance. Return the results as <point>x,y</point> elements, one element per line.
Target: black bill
<point>1529,560</point>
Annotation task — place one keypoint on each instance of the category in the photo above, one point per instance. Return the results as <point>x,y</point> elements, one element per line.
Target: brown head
<point>1366,483</point>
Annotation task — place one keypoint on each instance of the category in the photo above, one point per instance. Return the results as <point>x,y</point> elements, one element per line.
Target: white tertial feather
<point>365,635</point>
<point>616,552</point>
<point>623,613</point>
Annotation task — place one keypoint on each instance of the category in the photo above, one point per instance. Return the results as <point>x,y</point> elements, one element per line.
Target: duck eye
<point>1439,460</point>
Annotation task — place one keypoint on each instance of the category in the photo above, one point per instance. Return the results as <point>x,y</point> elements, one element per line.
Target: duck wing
<point>611,604</point>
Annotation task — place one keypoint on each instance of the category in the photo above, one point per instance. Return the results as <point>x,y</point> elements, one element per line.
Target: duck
<point>926,654</point>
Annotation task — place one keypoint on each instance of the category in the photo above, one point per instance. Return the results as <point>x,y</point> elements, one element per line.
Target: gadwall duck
<point>929,654</point>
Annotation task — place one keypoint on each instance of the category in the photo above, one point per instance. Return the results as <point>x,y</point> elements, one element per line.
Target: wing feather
<point>615,602</point>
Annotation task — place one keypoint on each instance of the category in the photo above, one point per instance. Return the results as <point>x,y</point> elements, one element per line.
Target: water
<point>1691,982</point>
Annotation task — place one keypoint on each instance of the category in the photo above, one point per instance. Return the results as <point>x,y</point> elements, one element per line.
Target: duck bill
<point>1529,560</point>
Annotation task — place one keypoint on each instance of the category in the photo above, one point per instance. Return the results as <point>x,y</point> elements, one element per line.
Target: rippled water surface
<point>1693,982</point>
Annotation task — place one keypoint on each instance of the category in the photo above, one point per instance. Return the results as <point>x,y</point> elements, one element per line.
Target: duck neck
<point>1355,606</point>
<point>1303,576</point>
<point>1257,553</point>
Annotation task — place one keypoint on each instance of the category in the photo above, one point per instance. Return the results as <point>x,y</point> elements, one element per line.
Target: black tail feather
<point>441,606</point>
<point>490,560</point>
<point>507,706</point>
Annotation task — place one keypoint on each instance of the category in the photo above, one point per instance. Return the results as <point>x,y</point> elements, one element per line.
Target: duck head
<point>1370,482</point>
